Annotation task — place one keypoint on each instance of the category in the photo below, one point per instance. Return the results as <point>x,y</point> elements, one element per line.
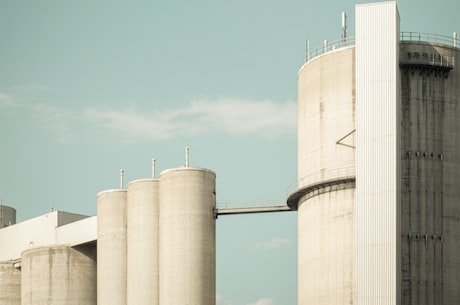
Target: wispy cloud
<point>276,242</point>
<point>58,120</point>
<point>264,301</point>
<point>6,100</point>
<point>226,116</point>
<point>220,300</point>
<point>230,116</point>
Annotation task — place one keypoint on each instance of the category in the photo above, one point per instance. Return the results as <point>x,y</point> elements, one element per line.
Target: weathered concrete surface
<point>326,218</point>
<point>187,237</point>
<point>326,116</point>
<point>143,242</point>
<point>59,275</point>
<point>10,284</point>
<point>111,247</point>
<point>327,248</point>
<point>430,152</point>
<point>7,216</point>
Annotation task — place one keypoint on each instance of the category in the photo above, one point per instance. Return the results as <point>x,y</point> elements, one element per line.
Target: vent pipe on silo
<point>153,168</point>
<point>122,172</point>
<point>344,27</point>
<point>455,39</point>
<point>187,150</point>
<point>307,57</point>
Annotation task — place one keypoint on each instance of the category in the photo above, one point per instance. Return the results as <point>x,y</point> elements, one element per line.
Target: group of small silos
<point>155,245</point>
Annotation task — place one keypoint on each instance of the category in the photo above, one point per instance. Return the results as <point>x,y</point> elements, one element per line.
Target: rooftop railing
<point>327,47</point>
<point>404,36</point>
<point>431,38</point>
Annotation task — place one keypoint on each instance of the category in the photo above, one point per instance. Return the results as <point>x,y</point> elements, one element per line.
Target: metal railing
<point>327,47</point>
<point>404,36</point>
<point>327,175</point>
<point>431,38</point>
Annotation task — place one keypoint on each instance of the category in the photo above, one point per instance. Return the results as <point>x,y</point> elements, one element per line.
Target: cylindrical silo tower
<point>58,275</point>
<point>429,138</point>
<point>430,164</point>
<point>187,237</point>
<point>111,247</point>
<point>10,284</point>
<point>143,242</point>
<point>325,198</point>
<point>7,216</point>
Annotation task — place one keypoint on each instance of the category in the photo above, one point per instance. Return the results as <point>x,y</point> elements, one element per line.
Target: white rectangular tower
<point>377,153</point>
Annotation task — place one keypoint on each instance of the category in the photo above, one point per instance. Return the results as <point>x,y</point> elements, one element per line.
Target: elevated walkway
<point>252,210</point>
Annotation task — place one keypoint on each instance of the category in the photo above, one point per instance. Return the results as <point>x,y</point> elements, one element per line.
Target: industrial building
<point>377,196</point>
<point>378,155</point>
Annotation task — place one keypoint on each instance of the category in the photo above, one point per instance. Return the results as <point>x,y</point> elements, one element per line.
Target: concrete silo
<point>392,234</point>
<point>58,275</point>
<point>10,284</point>
<point>430,163</point>
<point>325,199</point>
<point>143,242</point>
<point>111,247</point>
<point>7,216</point>
<point>187,237</point>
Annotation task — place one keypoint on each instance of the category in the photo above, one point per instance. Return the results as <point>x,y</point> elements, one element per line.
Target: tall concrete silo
<point>111,247</point>
<point>187,237</point>
<point>392,234</point>
<point>325,198</point>
<point>10,284</point>
<point>58,275</point>
<point>7,216</point>
<point>143,242</point>
<point>430,163</point>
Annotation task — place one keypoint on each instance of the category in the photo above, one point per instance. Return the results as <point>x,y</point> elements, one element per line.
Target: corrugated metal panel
<point>377,186</point>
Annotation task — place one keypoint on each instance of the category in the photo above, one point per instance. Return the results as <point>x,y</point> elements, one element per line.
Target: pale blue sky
<point>89,87</point>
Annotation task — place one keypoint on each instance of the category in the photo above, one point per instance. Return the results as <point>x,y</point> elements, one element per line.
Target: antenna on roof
<point>344,27</point>
<point>307,57</point>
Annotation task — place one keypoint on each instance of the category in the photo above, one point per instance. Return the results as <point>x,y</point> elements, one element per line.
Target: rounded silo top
<point>142,180</point>
<point>7,216</point>
<point>186,168</point>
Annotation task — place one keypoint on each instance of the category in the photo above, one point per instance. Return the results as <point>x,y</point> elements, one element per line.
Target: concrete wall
<point>326,115</point>
<point>143,242</point>
<point>77,232</point>
<point>10,284</point>
<point>40,231</point>
<point>58,275</point>
<point>187,237</point>
<point>111,247</point>
<point>327,248</point>
<point>326,231</point>
<point>430,159</point>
